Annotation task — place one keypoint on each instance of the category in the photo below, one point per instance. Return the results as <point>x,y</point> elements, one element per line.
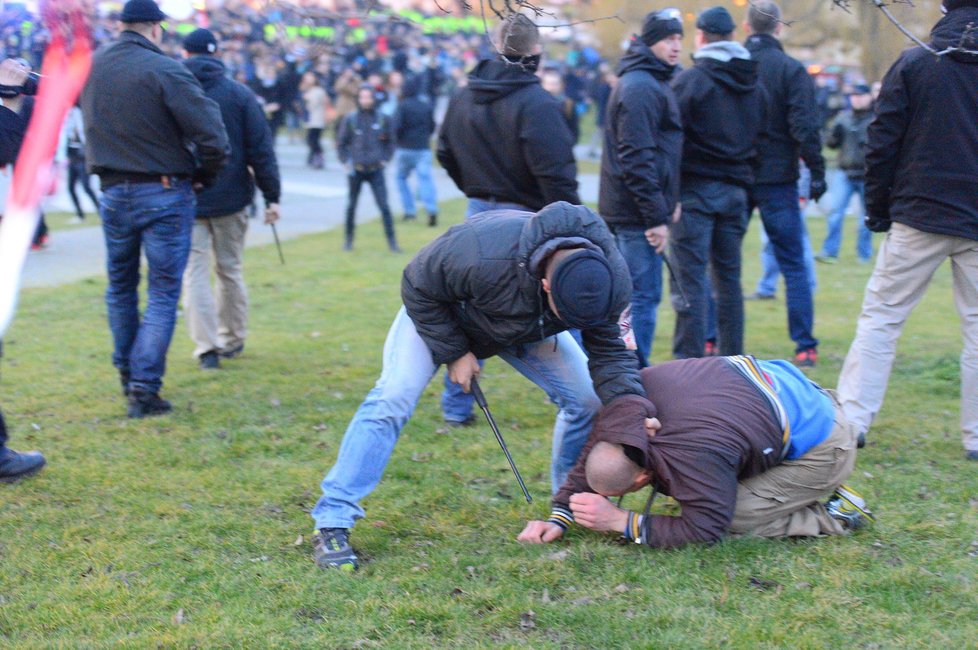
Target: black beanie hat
<point>716,20</point>
<point>660,24</point>
<point>200,41</point>
<point>142,11</point>
<point>951,5</point>
<point>581,287</point>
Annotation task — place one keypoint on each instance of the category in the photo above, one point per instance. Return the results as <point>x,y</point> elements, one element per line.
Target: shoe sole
<point>846,494</point>
<point>23,475</point>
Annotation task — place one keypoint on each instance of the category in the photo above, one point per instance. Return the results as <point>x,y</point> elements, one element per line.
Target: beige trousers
<point>906,263</point>
<point>221,322</point>
<point>786,500</point>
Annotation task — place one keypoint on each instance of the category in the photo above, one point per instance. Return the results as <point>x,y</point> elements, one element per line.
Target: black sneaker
<point>849,507</point>
<point>433,220</point>
<point>209,361</point>
<point>331,549</point>
<point>760,296</point>
<point>972,454</point>
<point>230,353</point>
<point>467,422</point>
<point>124,380</point>
<point>17,465</point>
<point>410,217</point>
<point>143,404</point>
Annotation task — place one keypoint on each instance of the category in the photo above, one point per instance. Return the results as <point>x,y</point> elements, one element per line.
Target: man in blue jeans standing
<point>507,146</point>
<point>414,122</point>
<point>507,284</point>
<point>792,131</point>
<point>639,191</point>
<point>141,110</point>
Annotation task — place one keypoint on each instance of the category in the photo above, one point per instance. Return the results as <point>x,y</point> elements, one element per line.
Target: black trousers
<point>378,186</point>
<point>78,174</point>
<point>312,140</point>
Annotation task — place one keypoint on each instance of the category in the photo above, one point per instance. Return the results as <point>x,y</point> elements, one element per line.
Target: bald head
<point>609,471</point>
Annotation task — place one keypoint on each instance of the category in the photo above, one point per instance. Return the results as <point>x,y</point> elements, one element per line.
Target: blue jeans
<point>419,161</point>
<point>456,405</point>
<point>556,364</point>
<point>708,237</point>
<point>159,221</point>
<point>767,285</point>
<point>785,228</point>
<point>843,188</point>
<point>645,267</point>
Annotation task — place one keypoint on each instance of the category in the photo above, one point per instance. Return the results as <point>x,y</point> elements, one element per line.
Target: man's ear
<point>546,284</point>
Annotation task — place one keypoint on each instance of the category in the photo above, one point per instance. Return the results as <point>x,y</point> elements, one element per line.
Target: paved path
<point>312,201</point>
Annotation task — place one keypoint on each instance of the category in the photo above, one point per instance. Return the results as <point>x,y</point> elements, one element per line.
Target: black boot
<point>392,244</point>
<point>348,242</point>
<point>17,465</point>
<point>124,380</point>
<point>433,219</point>
<point>144,404</point>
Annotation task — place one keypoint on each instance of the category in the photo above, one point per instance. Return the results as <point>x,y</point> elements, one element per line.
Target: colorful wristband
<point>633,527</point>
<point>561,517</point>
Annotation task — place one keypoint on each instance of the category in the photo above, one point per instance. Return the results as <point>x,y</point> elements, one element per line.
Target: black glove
<point>877,223</point>
<point>817,188</point>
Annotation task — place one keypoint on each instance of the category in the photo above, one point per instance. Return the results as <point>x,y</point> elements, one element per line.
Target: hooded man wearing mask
<point>639,192</point>
<point>722,108</point>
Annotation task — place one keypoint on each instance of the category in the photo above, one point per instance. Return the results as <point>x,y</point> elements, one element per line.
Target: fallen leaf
<point>456,592</point>
<point>380,523</point>
<point>276,402</point>
<point>868,475</point>
<point>424,566</point>
<point>298,540</point>
<point>723,597</point>
<point>526,620</point>
<point>411,621</point>
<point>471,571</point>
<point>620,589</point>
<point>315,335</point>
<point>558,556</point>
<point>545,598</point>
<point>421,457</point>
<point>803,585</point>
<point>178,617</point>
<point>263,558</point>
<point>37,427</point>
<point>580,601</point>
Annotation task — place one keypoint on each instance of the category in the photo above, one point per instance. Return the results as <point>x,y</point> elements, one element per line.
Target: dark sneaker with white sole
<point>849,507</point>
<point>331,549</point>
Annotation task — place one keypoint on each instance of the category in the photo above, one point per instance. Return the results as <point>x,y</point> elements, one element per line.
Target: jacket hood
<point>494,79</point>
<point>758,42</point>
<point>953,31</point>
<point>640,57</point>
<point>622,422</point>
<point>736,73</point>
<point>207,69</point>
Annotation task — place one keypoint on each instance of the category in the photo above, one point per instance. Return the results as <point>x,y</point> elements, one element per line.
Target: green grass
<point>191,530</point>
<point>58,221</point>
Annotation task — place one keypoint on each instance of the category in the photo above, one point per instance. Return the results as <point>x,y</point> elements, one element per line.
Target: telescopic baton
<point>278,244</point>
<point>675,281</point>
<point>480,399</point>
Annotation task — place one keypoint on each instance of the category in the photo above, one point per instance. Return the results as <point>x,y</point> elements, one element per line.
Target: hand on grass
<point>540,532</point>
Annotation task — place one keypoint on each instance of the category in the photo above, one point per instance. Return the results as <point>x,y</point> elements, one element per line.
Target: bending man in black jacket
<point>503,283</point>
<point>639,193</point>
<point>218,328</point>
<point>921,166</point>
<point>791,132</point>
<point>722,108</point>
<point>142,110</point>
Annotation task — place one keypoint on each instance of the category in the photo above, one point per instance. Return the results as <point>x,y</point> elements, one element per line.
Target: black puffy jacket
<point>791,115</point>
<point>722,108</point>
<point>365,140</point>
<point>477,289</point>
<point>504,138</point>
<point>643,143</point>
<point>922,157</point>
<point>146,114</point>
<point>250,139</point>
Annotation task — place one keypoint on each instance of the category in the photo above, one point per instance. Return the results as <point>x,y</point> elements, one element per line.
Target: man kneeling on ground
<point>745,446</point>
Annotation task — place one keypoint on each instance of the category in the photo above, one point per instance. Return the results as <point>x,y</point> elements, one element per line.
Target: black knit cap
<point>200,41</point>
<point>581,286</point>
<point>951,5</point>
<point>142,11</point>
<point>660,24</point>
<point>716,20</point>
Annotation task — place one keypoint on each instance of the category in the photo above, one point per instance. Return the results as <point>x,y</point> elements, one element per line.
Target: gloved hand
<point>877,223</point>
<point>817,188</point>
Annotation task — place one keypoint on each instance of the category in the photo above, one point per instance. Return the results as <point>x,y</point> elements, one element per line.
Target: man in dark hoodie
<point>791,131</point>
<point>745,446</point>
<point>722,108</point>
<point>639,192</point>
<point>506,145</point>
<point>921,171</point>
<point>218,328</point>
<point>414,122</point>
<point>504,283</point>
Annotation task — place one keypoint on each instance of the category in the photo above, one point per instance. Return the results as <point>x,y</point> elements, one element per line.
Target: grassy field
<point>191,530</point>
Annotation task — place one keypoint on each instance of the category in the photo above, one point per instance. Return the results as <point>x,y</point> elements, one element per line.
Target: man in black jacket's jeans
<point>722,108</point>
<point>639,192</point>
<point>503,283</point>
<point>218,327</point>
<point>365,143</point>
<point>791,131</point>
<point>921,171</point>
